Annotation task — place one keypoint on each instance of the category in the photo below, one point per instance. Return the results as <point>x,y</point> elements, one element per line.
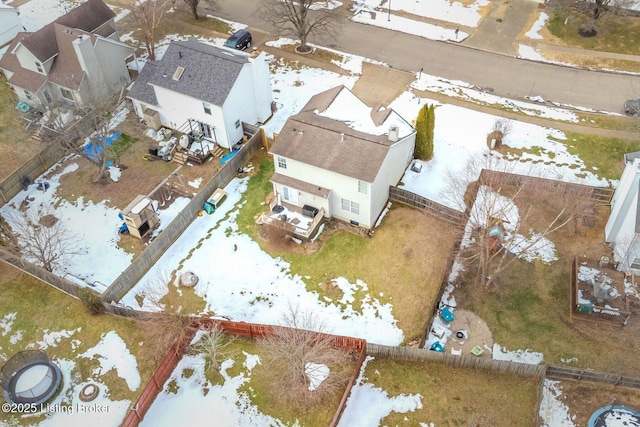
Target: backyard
<point>397,263</point>
<point>528,308</point>
<point>112,352</point>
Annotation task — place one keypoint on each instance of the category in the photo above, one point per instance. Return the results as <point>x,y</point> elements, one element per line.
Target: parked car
<point>240,40</point>
<point>632,107</point>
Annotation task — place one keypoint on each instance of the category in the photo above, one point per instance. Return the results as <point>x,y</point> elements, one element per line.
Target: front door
<point>290,195</point>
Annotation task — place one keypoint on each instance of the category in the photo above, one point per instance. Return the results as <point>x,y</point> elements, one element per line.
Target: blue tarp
<point>93,150</point>
<point>226,158</point>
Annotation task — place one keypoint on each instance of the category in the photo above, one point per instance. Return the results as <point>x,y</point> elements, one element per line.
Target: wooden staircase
<point>180,157</point>
<point>217,152</point>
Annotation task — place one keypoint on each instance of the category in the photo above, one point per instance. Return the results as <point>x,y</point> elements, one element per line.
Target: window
<point>66,93</point>
<point>27,95</point>
<point>207,108</point>
<point>237,124</point>
<point>47,96</point>
<point>362,187</point>
<point>282,162</point>
<point>350,206</point>
<point>39,67</point>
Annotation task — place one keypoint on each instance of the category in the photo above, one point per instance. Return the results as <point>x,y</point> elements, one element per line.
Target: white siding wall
<point>26,58</point>
<point>623,203</point>
<point>261,86</point>
<point>239,105</point>
<point>112,59</point>
<point>9,24</point>
<point>391,171</point>
<point>341,186</point>
<point>175,109</point>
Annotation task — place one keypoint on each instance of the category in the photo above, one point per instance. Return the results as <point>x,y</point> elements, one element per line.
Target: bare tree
<point>148,14</point>
<point>595,10</point>
<point>97,125</point>
<point>296,358</point>
<point>501,129</point>
<point>8,239</point>
<point>166,323</point>
<point>213,346</point>
<point>301,18</point>
<point>493,239</point>
<point>45,239</point>
<point>193,6</point>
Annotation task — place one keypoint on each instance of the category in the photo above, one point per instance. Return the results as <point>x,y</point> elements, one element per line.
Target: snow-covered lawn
<point>533,32</point>
<point>66,408</point>
<point>410,26</point>
<point>442,10</point>
<point>241,282</point>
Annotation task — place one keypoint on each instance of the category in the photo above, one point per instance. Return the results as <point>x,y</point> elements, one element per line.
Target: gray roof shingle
<point>209,72</point>
<point>331,144</point>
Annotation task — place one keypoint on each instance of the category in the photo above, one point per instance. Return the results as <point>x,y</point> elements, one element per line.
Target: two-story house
<point>75,60</point>
<point>340,156</point>
<point>205,89</point>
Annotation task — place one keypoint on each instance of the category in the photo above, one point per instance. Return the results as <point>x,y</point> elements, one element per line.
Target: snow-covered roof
<point>336,131</point>
<point>348,108</point>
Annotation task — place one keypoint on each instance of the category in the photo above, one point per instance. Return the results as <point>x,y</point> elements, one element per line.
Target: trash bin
<point>153,151</point>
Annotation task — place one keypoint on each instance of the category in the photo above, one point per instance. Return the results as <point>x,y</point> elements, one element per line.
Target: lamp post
<point>389,13</point>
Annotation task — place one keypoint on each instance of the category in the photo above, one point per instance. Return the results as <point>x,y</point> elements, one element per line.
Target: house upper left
<point>75,60</point>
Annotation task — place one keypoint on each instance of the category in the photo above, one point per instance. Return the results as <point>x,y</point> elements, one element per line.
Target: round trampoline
<point>29,377</point>
<point>614,416</point>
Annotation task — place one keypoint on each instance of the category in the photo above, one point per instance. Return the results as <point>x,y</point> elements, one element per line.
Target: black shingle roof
<point>209,72</point>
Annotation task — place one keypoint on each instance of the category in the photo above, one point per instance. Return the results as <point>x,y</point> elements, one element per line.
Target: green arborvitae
<point>431,125</point>
<point>424,132</point>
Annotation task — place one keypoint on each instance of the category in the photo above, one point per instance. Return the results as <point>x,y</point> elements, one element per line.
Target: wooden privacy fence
<point>249,330</point>
<point>417,201</point>
<point>156,384</point>
<point>576,374</point>
<point>419,354</point>
<point>551,186</point>
<point>138,268</point>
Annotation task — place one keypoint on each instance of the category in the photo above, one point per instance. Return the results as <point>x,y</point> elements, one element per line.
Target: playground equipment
<point>29,377</point>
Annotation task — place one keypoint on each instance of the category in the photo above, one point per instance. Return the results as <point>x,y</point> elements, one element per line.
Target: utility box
<point>152,118</point>
<point>140,216</point>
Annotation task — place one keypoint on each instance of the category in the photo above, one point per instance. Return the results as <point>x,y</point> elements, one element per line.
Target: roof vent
<point>393,133</point>
<point>342,137</point>
<point>178,73</point>
<point>301,132</point>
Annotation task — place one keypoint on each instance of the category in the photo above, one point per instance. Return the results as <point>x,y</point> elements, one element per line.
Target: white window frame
<point>39,67</point>
<point>63,90</point>
<point>237,124</point>
<point>207,108</point>
<point>350,206</point>
<point>363,187</point>
<point>282,162</point>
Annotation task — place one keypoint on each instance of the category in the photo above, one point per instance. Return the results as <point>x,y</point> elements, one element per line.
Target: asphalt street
<point>499,74</point>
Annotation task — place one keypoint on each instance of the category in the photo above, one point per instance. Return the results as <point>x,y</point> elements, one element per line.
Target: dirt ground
<point>475,332</point>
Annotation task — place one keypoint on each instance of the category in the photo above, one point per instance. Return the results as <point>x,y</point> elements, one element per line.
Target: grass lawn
<point>260,391</point>
<point>615,33</point>
<point>529,309</point>
<point>605,154</point>
<point>39,307</point>
<point>15,145</point>
<point>402,264</point>
<point>455,396</point>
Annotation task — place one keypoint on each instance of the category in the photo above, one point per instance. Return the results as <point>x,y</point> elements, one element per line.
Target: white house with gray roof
<point>209,88</point>
<point>623,226</point>
<point>340,156</point>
